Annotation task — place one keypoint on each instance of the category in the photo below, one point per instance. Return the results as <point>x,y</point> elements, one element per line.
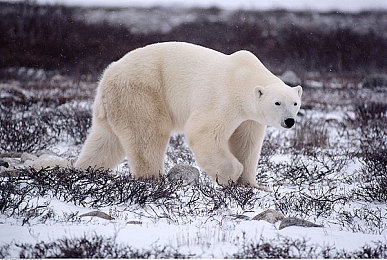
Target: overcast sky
<point>321,5</point>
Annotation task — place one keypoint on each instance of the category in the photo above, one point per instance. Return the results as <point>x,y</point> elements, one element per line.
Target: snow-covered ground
<point>315,185</point>
<point>215,237</point>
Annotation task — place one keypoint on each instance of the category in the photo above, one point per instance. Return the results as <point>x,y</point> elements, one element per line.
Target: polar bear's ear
<point>299,90</point>
<point>259,91</point>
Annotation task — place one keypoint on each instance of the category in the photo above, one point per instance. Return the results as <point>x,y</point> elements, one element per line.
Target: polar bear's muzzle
<point>288,123</point>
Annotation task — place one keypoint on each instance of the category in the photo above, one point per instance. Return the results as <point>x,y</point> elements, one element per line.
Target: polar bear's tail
<point>102,147</point>
<point>99,107</point>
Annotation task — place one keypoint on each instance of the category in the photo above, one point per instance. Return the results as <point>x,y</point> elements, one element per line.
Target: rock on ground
<point>46,160</point>
<point>188,174</point>
<point>270,215</point>
<point>290,78</point>
<point>291,221</point>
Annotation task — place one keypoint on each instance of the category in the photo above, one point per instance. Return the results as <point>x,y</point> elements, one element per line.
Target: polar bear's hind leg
<point>145,150</point>
<point>143,128</point>
<point>101,149</point>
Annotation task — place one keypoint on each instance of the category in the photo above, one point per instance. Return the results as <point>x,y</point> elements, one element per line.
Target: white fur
<point>221,102</point>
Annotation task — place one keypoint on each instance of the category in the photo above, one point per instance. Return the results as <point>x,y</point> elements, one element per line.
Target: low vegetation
<point>62,38</point>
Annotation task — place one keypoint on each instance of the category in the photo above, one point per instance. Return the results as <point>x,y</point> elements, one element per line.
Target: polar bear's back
<point>175,72</point>
<point>170,62</point>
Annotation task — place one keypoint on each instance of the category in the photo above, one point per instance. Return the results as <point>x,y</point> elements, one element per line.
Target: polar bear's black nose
<point>289,122</point>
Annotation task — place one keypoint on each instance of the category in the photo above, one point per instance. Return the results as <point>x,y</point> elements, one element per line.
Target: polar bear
<point>222,103</point>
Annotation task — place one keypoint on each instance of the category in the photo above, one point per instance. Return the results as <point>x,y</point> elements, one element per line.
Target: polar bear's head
<point>278,104</point>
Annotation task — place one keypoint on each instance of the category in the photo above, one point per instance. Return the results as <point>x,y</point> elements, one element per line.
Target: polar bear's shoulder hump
<point>244,55</point>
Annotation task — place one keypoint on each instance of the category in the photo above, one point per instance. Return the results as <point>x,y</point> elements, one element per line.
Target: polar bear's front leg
<point>210,147</point>
<point>219,164</point>
<point>246,144</point>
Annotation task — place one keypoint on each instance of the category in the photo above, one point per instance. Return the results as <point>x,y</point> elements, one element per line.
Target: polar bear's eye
<point>277,103</point>
<point>295,104</point>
